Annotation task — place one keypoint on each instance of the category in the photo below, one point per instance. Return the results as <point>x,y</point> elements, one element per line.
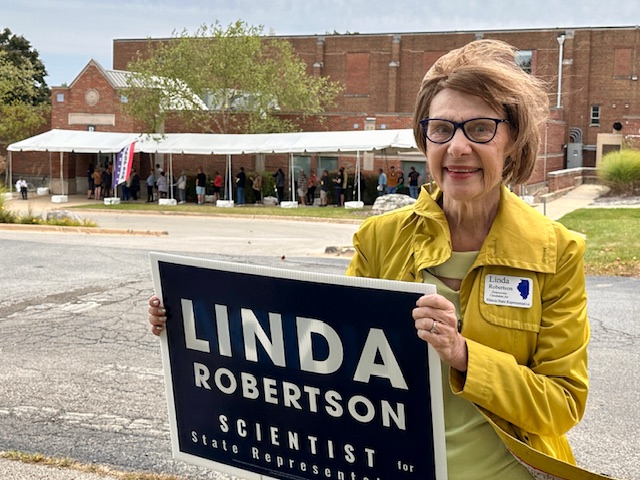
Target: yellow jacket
<point>527,369</point>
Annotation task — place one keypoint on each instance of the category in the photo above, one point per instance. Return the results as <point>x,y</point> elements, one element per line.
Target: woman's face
<point>466,171</point>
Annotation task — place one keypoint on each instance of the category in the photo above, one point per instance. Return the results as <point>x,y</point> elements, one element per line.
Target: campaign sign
<point>293,375</point>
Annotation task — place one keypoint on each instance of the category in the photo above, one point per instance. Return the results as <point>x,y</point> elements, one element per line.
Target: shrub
<point>620,171</point>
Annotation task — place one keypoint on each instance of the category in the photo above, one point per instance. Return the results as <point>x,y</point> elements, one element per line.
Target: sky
<point>69,33</point>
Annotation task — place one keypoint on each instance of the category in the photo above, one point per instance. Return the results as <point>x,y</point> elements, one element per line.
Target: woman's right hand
<point>157,315</point>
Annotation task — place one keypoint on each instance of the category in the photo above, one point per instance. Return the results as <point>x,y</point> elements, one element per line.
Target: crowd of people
<point>310,189</point>
<point>393,181</point>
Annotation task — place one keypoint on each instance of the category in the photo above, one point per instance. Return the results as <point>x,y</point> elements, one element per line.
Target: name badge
<point>508,291</point>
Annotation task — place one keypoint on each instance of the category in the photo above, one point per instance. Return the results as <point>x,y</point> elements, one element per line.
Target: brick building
<point>591,73</point>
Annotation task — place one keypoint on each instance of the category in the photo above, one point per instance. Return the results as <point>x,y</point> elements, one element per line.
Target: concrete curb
<point>87,230</point>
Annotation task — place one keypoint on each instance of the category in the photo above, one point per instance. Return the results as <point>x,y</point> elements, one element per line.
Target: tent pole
<point>170,179</point>
<point>50,170</point>
<point>61,174</point>
<point>292,176</point>
<point>229,178</point>
<point>357,179</point>
<point>8,179</point>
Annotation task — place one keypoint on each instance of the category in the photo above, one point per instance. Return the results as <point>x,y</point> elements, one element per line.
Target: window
<point>301,162</point>
<point>524,59</point>
<point>329,164</point>
<point>60,97</point>
<point>595,115</point>
<point>124,99</point>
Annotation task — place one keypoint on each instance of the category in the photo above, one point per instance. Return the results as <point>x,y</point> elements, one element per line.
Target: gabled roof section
<point>122,79</point>
<point>92,63</point>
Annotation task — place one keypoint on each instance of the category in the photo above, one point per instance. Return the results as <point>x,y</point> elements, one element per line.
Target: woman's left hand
<point>436,323</point>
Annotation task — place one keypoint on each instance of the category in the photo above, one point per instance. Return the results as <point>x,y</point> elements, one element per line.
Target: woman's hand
<point>157,315</point>
<point>436,323</point>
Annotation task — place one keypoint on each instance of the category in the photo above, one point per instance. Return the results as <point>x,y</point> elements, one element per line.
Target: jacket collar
<point>520,236</point>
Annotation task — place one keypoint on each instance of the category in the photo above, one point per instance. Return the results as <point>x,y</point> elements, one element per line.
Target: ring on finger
<point>433,327</point>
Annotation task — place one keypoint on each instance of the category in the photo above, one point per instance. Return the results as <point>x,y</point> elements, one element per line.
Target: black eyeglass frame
<point>460,125</point>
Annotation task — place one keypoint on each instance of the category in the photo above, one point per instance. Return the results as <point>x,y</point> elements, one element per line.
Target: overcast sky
<point>69,33</point>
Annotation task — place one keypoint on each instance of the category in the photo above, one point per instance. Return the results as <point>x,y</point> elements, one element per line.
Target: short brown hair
<point>487,69</point>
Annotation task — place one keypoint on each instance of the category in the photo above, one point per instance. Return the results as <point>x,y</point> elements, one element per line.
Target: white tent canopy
<point>80,141</point>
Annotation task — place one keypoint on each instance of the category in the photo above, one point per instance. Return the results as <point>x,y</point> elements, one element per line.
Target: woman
<point>97,183</point>
<point>279,180</point>
<point>514,365</point>
<point>256,186</point>
<point>311,187</point>
<point>163,186</point>
<point>509,319</point>
<point>181,185</point>
<point>217,186</point>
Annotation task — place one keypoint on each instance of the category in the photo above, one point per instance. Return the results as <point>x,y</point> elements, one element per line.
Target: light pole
<point>560,55</point>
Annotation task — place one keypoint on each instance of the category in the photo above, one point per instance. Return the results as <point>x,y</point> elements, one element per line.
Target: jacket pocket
<point>507,309</point>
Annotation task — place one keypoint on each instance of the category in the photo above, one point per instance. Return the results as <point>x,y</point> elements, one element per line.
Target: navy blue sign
<point>272,373</point>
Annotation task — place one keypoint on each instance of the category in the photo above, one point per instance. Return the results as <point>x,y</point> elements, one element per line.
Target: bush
<point>620,171</point>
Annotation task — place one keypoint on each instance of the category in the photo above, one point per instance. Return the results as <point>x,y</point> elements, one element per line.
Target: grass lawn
<point>329,212</point>
<point>613,239</point>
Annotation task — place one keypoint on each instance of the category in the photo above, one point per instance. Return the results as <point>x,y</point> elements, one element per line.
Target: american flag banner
<point>122,168</point>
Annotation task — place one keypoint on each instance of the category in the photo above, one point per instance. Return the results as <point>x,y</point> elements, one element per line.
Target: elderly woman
<point>509,320</point>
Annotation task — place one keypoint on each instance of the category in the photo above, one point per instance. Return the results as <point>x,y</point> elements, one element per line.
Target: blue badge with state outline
<point>508,291</point>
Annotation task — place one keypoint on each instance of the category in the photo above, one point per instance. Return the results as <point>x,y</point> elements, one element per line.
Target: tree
<point>246,80</point>
<point>19,53</point>
<point>24,95</point>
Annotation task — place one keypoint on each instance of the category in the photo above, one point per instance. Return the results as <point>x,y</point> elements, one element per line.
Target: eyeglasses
<point>478,130</point>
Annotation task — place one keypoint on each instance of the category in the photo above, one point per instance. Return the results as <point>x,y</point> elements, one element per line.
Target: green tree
<point>24,95</point>
<point>19,53</point>
<point>247,81</point>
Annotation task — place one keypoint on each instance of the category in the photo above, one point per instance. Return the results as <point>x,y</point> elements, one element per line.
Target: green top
<point>473,447</point>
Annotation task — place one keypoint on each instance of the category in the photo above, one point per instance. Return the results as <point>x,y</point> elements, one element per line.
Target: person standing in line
<point>151,183</point>
<point>181,185</point>
<point>91,186</point>
<point>303,187</point>
<point>279,179</point>
<point>97,183</point>
<point>163,186</point>
<point>400,185</point>
<point>325,185</point>
<point>311,187</point>
<point>22,186</point>
<point>414,182</point>
<point>338,188</point>
<point>256,186</point>
<point>217,186</point>
<point>107,178</point>
<point>125,195</point>
<point>359,186</point>
<point>382,183</point>
<point>392,180</point>
<point>241,182</point>
<point>135,184</point>
<point>201,183</point>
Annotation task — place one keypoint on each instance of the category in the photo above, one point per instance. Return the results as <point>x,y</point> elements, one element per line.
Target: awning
<point>81,141</point>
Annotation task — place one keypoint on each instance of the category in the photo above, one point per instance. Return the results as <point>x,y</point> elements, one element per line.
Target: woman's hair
<point>487,69</point>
